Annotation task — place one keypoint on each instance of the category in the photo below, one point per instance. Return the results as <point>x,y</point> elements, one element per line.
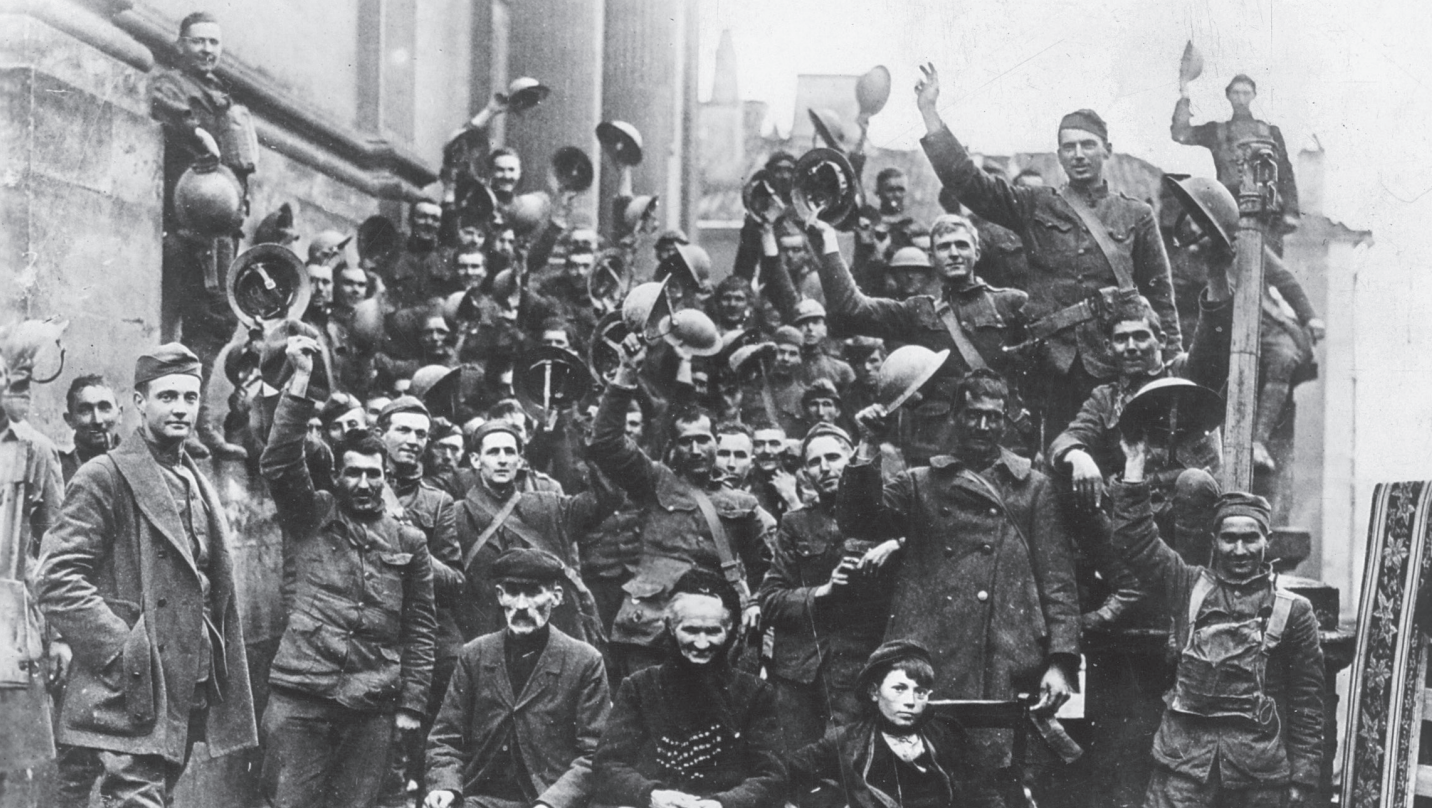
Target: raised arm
<point>613,452</point>
<point>1136,536</point>
<point>282,463</point>
<point>989,196</point>
<point>851,310</point>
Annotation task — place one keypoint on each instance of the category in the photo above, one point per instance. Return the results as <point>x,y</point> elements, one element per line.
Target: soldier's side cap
<point>787,335</point>
<point>526,564</point>
<point>821,388</point>
<point>490,427</point>
<point>1086,119</point>
<point>809,309</point>
<point>824,430</point>
<point>337,406</point>
<point>168,359</point>
<point>887,656</point>
<point>1239,503</point>
<point>404,404</point>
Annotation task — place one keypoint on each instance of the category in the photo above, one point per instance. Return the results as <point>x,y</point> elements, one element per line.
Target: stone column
<point>647,82</point>
<point>558,42</point>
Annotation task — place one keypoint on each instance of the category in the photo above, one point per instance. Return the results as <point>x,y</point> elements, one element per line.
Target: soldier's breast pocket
<point>1054,236</point>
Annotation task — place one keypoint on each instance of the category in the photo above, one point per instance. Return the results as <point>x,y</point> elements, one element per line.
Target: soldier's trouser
<point>807,710</point>
<point>319,753</point>
<point>410,751</point>
<point>1279,358</point>
<point>1172,790</point>
<point>77,769</point>
<point>145,781</point>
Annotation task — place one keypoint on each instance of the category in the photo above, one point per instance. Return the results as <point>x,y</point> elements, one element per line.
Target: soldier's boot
<point>1272,397</point>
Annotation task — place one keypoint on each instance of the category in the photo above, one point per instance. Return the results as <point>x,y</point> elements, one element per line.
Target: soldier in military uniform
<point>1078,239</point>
<point>1221,139</point>
<point>972,319</point>
<point>202,125</point>
<point>690,518</point>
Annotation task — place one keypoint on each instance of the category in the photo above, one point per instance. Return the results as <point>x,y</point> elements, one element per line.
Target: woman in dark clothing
<point>693,732</point>
<point>894,756</point>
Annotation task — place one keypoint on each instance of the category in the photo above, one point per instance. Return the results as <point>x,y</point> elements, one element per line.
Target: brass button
<point>994,511</point>
<point>982,596</point>
<point>987,549</point>
<point>949,552</point>
<point>944,510</point>
<point>163,602</point>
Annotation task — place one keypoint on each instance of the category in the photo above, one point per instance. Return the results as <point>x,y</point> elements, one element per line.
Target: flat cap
<point>167,360</point>
<point>886,657</point>
<point>526,564</point>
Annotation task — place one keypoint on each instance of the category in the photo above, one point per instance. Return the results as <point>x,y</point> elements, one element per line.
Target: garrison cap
<point>1238,503</point>
<point>1086,119</point>
<point>167,360</point>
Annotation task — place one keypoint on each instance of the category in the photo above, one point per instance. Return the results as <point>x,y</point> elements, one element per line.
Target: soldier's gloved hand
<point>439,799</point>
<point>874,421</point>
<point>822,237</point>
<point>406,721</point>
<point>208,142</point>
<point>1088,483</point>
<point>751,617</point>
<point>1054,690</point>
<point>785,485</point>
<point>876,556</point>
<point>1297,796</point>
<point>60,658</point>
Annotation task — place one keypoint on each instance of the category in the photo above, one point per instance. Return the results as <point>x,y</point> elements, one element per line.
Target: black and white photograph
<point>715,404</point>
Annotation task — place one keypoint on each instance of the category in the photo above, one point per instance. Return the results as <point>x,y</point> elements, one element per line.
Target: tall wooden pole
<point>1257,199</point>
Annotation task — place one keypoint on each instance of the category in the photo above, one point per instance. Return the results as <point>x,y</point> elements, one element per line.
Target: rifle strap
<point>967,349</point>
<point>730,566</point>
<point>491,530</point>
<point>1119,261</point>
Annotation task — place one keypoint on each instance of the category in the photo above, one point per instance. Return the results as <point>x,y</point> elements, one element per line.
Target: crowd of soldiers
<point>554,537</point>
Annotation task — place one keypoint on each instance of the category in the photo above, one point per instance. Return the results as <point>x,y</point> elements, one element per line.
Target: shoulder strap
<point>967,350</point>
<point>730,567</point>
<point>491,529</point>
<point>1282,607</point>
<point>1119,261</point>
<point>1201,588</point>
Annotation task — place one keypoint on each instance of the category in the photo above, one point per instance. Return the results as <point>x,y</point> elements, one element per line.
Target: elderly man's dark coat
<point>117,579</point>
<point>556,719</point>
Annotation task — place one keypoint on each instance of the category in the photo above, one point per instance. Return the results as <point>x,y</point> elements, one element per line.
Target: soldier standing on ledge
<point>202,128</point>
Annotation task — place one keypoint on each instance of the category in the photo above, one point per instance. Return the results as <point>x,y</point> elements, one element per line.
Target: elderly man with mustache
<point>526,706</point>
